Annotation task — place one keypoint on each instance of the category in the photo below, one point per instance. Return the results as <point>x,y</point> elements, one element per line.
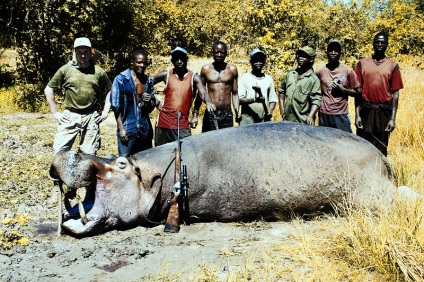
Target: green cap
<point>307,50</point>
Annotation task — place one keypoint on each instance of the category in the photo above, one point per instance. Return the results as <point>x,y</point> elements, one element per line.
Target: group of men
<point>375,84</point>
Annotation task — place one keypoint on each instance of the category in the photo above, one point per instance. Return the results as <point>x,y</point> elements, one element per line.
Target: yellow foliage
<point>7,221</point>
<point>11,237</point>
<point>7,101</point>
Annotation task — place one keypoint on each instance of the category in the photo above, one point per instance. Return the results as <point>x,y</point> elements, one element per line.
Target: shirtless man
<point>221,80</point>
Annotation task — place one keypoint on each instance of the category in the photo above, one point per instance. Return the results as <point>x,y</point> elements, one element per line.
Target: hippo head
<point>119,194</point>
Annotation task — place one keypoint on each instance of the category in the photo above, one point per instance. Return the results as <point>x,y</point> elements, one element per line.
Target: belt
<point>221,112</point>
<point>82,111</point>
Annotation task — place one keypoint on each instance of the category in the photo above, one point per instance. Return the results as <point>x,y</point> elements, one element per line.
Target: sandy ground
<point>138,254</point>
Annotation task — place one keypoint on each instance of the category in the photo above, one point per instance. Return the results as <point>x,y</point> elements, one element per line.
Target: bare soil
<point>201,251</point>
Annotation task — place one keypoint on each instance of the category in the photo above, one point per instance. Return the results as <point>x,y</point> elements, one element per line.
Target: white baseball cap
<point>257,51</point>
<point>82,41</point>
<point>179,49</point>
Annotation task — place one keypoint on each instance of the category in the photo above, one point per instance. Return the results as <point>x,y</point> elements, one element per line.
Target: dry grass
<point>358,246</point>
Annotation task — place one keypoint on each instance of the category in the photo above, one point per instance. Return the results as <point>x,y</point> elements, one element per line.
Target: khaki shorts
<point>83,125</point>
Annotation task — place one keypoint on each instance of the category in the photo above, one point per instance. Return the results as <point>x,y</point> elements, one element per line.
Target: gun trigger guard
<point>177,188</point>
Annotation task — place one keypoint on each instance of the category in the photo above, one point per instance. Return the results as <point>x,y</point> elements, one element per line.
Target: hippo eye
<point>121,164</point>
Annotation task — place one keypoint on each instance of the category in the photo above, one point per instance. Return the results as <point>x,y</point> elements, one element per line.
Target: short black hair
<point>137,53</point>
<point>219,43</point>
<point>382,33</point>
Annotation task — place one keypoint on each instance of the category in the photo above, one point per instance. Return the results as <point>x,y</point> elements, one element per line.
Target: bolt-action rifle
<point>178,205</point>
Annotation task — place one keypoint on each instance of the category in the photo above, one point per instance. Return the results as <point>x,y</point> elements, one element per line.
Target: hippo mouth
<point>77,170</point>
<point>115,193</point>
<point>87,217</point>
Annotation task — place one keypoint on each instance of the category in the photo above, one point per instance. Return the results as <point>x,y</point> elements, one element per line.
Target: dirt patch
<point>202,251</point>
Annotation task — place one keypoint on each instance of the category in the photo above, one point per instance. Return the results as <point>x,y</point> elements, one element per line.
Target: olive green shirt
<point>83,87</point>
<point>301,93</point>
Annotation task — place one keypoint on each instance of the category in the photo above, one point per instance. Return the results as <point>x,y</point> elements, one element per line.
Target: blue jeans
<point>335,121</point>
<point>134,145</point>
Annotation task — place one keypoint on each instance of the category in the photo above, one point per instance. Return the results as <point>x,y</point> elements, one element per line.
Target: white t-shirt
<point>245,90</point>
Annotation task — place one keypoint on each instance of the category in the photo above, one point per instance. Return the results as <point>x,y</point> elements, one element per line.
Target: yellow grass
<point>360,246</point>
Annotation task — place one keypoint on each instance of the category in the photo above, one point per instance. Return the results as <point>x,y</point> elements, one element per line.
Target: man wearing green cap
<point>300,91</point>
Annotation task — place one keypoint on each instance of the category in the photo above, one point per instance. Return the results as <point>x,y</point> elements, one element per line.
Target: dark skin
<point>304,63</point>
<point>333,56</point>
<point>257,63</point>
<point>220,78</point>
<point>138,68</point>
<point>179,60</point>
<point>380,45</point>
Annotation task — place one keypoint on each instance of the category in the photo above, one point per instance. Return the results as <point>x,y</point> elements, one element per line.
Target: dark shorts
<point>167,135</point>
<point>335,121</point>
<point>224,119</point>
<point>134,145</point>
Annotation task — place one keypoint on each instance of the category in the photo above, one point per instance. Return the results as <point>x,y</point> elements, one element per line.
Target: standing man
<point>132,99</point>
<point>221,80</point>
<point>338,82</point>
<point>300,92</point>
<point>181,85</point>
<point>85,86</point>
<point>381,81</point>
<point>257,92</point>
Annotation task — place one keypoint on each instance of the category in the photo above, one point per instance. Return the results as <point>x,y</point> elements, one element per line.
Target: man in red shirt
<point>181,85</point>
<point>381,81</point>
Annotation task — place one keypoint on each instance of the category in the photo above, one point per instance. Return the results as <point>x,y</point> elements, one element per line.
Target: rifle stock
<point>172,224</point>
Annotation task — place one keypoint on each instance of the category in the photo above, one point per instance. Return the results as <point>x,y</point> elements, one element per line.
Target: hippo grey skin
<point>267,170</point>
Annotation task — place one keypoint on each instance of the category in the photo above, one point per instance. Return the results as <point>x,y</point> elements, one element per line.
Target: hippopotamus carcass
<point>268,170</point>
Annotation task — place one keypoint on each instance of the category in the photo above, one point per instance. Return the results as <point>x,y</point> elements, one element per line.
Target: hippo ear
<point>111,157</point>
<point>137,172</point>
<point>136,168</point>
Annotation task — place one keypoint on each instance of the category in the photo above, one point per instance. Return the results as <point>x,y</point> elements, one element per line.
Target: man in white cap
<point>256,92</point>
<point>85,86</point>
<point>338,82</point>
<point>300,91</point>
<point>181,85</point>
